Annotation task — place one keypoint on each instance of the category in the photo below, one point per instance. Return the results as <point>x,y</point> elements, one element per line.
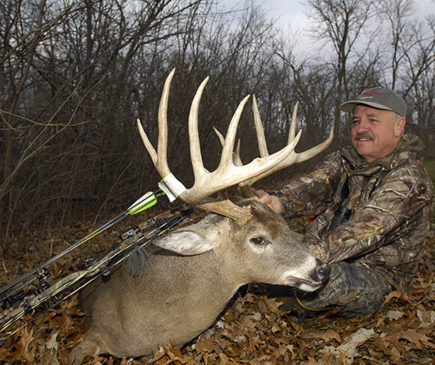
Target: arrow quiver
<point>36,295</point>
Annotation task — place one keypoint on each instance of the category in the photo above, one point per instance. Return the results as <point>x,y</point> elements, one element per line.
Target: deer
<point>195,270</point>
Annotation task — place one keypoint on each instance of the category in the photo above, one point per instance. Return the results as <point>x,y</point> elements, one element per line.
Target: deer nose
<point>322,272</point>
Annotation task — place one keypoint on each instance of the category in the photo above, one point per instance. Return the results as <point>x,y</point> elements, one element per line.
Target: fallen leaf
<point>52,343</point>
<point>346,352</point>
<point>27,351</point>
<point>394,315</point>
<point>420,340</point>
<point>325,335</point>
<point>356,339</point>
<point>393,294</point>
<point>426,317</point>
<point>207,345</point>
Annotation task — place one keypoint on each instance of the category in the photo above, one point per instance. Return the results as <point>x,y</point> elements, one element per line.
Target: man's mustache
<point>359,136</point>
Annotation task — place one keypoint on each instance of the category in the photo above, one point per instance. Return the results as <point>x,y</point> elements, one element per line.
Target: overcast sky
<point>292,9</point>
<point>292,12</point>
<point>292,18</point>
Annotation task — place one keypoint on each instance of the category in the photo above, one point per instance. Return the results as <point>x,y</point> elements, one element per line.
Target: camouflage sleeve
<point>310,194</point>
<point>392,211</point>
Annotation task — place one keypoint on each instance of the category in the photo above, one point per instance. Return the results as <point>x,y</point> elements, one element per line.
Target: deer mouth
<point>305,285</point>
<point>311,280</point>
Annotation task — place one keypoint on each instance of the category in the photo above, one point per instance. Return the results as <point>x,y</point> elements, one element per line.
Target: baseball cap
<point>378,98</point>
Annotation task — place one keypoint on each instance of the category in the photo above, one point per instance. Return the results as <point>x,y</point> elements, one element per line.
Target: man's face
<point>375,133</point>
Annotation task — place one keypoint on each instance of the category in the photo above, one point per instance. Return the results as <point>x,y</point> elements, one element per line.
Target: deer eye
<point>258,240</point>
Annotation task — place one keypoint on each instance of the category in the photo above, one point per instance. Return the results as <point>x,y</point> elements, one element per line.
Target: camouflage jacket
<point>389,201</point>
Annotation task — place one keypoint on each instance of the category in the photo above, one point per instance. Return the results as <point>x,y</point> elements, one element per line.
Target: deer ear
<point>192,240</point>
<point>186,243</point>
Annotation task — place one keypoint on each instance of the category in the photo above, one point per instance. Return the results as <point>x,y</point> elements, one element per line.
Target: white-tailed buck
<point>188,281</point>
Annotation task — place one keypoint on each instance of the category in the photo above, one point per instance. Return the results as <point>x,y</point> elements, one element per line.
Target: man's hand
<point>272,201</point>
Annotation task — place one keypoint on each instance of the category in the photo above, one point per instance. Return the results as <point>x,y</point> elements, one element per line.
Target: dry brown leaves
<point>252,331</point>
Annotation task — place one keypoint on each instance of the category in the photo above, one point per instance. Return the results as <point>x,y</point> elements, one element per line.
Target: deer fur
<point>189,280</point>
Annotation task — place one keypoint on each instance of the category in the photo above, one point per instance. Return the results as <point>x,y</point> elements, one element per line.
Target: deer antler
<point>226,174</point>
<point>291,158</point>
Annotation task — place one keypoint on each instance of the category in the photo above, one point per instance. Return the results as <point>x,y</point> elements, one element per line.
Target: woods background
<point>75,75</point>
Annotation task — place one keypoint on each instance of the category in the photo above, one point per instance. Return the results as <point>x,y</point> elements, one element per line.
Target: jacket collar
<point>409,146</point>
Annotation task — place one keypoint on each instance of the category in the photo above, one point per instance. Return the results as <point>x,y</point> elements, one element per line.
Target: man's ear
<point>399,126</point>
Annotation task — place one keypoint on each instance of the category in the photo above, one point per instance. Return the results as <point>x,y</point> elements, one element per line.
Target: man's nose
<point>362,126</point>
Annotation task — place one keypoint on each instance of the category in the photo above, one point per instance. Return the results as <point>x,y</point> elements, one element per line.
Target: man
<point>371,203</point>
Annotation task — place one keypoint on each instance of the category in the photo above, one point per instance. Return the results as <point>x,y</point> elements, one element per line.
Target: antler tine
<point>195,147</point>
<point>236,155</point>
<point>159,158</point>
<point>261,139</point>
<point>227,149</point>
<point>162,144</point>
<point>237,159</point>
<point>292,130</point>
<point>220,136</point>
<point>149,147</point>
<point>293,157</point>
<point>306,155</point>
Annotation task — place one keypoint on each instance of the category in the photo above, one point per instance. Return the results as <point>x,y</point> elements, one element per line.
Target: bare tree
<point>24,28</point>
<point>411,49</point>
<point>419,78</point>
<point>341,23</point>
<point>397,12</point>
<point>68,75</point>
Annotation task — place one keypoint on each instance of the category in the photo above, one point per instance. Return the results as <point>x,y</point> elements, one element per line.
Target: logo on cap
<point>370,93</point>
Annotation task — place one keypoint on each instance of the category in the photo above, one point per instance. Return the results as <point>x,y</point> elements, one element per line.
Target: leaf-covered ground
<point>252,330</point>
